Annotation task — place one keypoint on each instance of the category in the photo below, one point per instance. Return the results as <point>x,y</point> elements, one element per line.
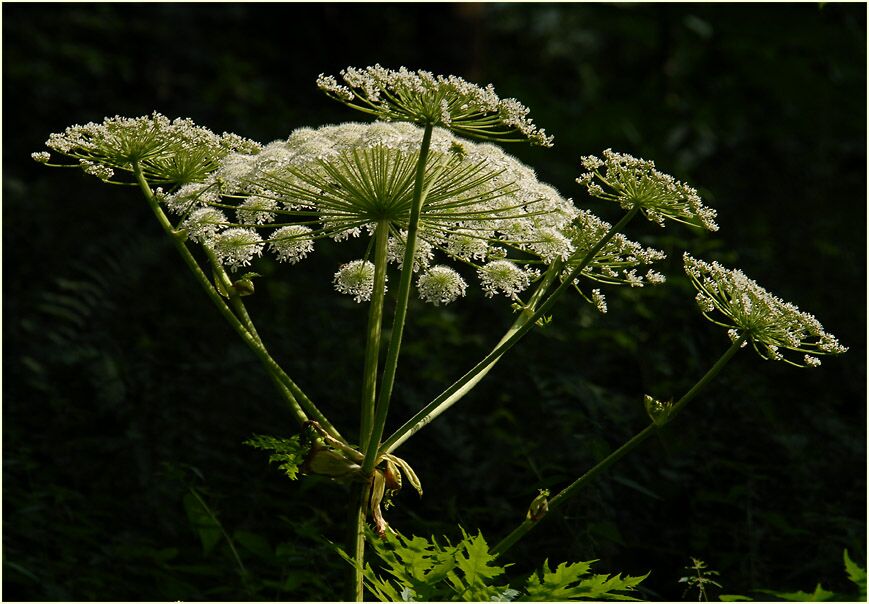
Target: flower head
<point>236,247</point>
<point>423,98</point>
<point>746,309</point>
<point>441,285</point>
<point>356,279</point>
<point>619,259</point>
<point>480,204</point>
<point>502,276</point>
<point>635,183</point>
<point>616,263</point>
<point>167,151</point>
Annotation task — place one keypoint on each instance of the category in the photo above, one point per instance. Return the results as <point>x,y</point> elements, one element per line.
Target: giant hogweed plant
<point>440,205</point>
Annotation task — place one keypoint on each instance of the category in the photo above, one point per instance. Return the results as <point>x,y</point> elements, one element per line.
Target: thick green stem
<point>294,395</point>
<point>372,342</point>
<point>616,455</point>
<point>357,541</point>
<point>391,364</point>
<point>458,389</point>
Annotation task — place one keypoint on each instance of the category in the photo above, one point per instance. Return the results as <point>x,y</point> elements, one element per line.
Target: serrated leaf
<point>819,595</point>
<point>856,574</point>
<point>571,581</point>
<point>289,453</point>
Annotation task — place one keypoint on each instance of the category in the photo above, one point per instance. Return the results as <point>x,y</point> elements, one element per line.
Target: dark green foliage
<point>418,569</point>
<point>115,363</point>
<point>856,575</point>
<point>289,452</point>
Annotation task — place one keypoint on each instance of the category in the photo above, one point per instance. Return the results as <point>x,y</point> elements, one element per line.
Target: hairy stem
<point>616,455</point>
<point>455,392</point>
<point>391,364</point>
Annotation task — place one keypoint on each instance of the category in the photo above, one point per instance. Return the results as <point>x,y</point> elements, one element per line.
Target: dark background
<point>123,387</point>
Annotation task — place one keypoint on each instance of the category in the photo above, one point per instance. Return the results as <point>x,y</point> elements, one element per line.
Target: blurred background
<point>124,389</point>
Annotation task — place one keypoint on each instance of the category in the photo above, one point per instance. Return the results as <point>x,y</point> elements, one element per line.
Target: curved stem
<point>294,395</point>
<point>616,455</point>
<point>452,394</point>
<point>391,364</point>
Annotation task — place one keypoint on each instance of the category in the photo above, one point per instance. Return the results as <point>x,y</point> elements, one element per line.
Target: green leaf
<point>734,598</point>
<point>289,453</point>
<point>820,595</point>
<point>255,544</point>
<point>203,521</point>
<point>856,574</point>
<point>571,581</point>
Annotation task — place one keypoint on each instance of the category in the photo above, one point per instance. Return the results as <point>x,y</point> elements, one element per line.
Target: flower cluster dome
<point>480,205</point>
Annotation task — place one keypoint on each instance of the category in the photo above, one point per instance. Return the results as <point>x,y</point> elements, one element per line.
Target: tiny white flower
<point>599,300</point>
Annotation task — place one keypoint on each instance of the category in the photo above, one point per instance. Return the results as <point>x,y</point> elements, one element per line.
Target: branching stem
<point>298,401</point>
<point>616,455</point>
<point>519,328</point>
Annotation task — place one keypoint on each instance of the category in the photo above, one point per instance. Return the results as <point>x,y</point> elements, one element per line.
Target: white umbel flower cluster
<point>236,247</point>
<point>291,243</point>
<point>504,277</point>
<point>619,259</point>
<point>635,183</point>
<point>421,97</point>
<point>441,285</point>
<point>167,151</point>
<point>481,204</point>
<point>772,325</point>
<point>356,278</point>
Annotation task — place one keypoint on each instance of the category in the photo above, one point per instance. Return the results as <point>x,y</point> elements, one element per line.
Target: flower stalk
<point>571,490</point>
<point>464,384</point>
<point>391,363</point>
<point>298,401</point>
<point>372,341</point>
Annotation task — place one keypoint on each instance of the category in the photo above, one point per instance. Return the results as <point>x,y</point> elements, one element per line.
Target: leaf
<point>568,582</point>
<point>203,521</point>
<point>856,574</point>
<point>734,598</point>
<point>290,453</point>
<point>820,595</point>
<point>255,544</point>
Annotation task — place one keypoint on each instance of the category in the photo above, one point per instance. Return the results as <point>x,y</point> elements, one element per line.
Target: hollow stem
<point>464,384</point>
<point>568,492</point>
<point>391,363</point>
<point>372,341</point>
